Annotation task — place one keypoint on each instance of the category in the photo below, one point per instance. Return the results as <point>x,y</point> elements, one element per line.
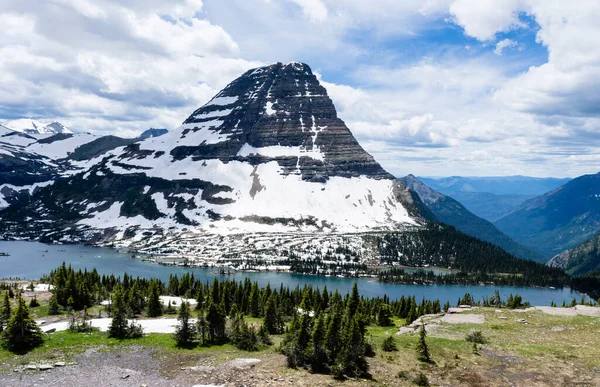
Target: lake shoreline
<point>31,260</point>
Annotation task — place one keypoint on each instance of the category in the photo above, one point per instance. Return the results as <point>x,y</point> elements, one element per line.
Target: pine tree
<point>422,349</point>
<point>333,334</point>
<point>155,308</point>
<point>22,333</point>
<point>184,334</point>
<point>273,322</point>
<point>318,361</point>
<point>5,311</point>
<point>389,344</point>
<point>53,307</point>
<point>118,327</point>
<point>254,301</point>
<point>215,318</point>
<point>202,327</point>
<point>263,335</point>
<point>384,317</point>
<point>353,300</point>
<point>33,303</point>
<point>200,298</point>
<point>352,360</point>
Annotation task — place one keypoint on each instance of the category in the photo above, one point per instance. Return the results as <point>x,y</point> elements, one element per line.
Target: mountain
<point>31,126</point>
<point>497,185</point>
<point>21,171</point>
<point>493,197</point>
<point>558,220</point>
<point>152,132</point>
<point>267,154</point>
<point>450,211</point>
<point>31,161</point>
<point>489,206</point>
<point>582,259</point>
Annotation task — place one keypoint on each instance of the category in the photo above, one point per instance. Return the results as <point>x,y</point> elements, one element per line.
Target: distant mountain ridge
<point>558,220</point>
<point>497,185</point>
<point>31,126</point>
<point>491,198</point>
<point>450,211</point>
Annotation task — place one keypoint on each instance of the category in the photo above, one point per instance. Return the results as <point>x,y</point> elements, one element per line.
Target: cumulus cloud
<point>113,66</point>
<point>483,19</point>
<point>420,103</point>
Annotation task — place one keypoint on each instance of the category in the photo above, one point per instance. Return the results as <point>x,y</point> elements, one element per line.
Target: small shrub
<point>369,349</point>
<point>404,375</point>
<point>34,302</point>
<point>389,344</point>
<point>476,337</point>
<point>422,380</point>
<point>135,331</point>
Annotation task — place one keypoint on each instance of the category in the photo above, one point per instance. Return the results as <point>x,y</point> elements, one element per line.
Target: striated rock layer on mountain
<point>266,154</point>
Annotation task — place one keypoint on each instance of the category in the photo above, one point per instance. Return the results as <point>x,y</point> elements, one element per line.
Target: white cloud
<point>503,45</point>
<point>420,106</point>
<point>315,10</point>
<point>482,19</point>
<point>114,66</point>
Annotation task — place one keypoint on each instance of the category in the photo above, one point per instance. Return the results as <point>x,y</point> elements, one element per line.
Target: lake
<point>30,260</point>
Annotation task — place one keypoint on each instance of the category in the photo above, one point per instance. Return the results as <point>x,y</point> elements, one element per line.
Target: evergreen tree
<point>53,307</point>
<point>184,334</point>
<point>273,322</point>
<point>202,327</point>
<point>118,327</point>
<point>216,318</point>
<point>353,300</point>
<point>33,303</point>
<point>384,317</point>
<point>5,311</point>
<point>422,349</point>
<point>333,336</point>
<point>352,360</point>
<point>155,308</point>
<point>389,344</point>
<point>21,333</point>
<point>318,362</point>
<point>263,335</point>
<point>254,301</point>
<point>200,298</point>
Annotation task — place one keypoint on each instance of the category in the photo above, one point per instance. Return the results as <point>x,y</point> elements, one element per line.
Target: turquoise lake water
<point>30,260</point>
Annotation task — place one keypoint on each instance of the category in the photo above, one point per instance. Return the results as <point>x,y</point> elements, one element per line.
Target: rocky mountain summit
<point>268,154</point>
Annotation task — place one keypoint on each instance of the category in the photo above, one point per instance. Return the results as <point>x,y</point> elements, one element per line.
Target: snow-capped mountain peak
<point>267,154</point>
<point>31,126</point>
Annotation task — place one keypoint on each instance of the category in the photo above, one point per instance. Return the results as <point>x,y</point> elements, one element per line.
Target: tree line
<point>475,260</point>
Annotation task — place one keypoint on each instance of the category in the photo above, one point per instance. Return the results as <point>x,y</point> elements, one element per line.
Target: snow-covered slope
<point>266,154</point>
<point>31,126</point>
<point>31,161</point>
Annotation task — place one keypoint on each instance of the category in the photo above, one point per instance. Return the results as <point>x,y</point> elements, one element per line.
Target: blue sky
<point>429,87</point>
